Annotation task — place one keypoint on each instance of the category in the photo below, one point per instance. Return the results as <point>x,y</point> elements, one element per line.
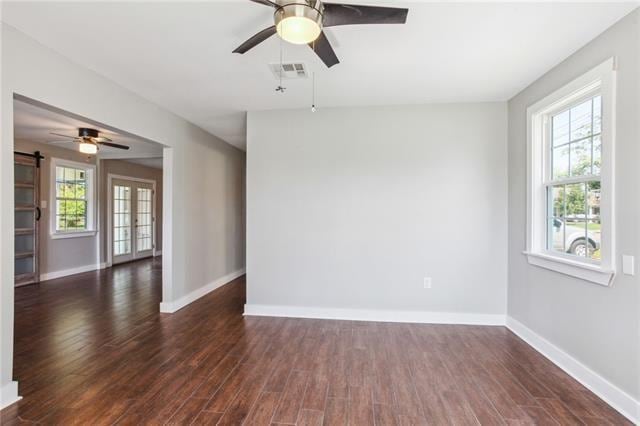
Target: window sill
<point>592,273</point>
<point>63,235</point>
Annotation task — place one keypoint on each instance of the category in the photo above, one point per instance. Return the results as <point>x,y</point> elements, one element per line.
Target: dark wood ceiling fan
<point>302,21</point>
<point>88,138</point>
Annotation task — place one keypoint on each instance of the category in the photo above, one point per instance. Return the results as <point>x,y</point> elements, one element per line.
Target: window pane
<point>69,174</point>
<point>597,155</point>
<point>597,115</point>
<point>575,202</point>
<point>557,198</point>
<point>81,191</point>
<point>61,207</point>
<point>575,232</point>
<point>59,174</point>
<point>560,162</point>
<point>59,190</point>
<point>581,120</point>
<point>593,233</point>
<point>560,128</point>
<point>580,158</point>
<point>555,218</point>
<point>80,222</point>
<point>594,224</point>
<point>61,223</point>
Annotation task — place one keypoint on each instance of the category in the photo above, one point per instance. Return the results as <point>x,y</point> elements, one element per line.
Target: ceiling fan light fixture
<point>298,23</point>
<point>88,147</point>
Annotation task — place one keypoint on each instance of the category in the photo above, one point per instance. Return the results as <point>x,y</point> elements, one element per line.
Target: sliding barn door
<point>27,215</point>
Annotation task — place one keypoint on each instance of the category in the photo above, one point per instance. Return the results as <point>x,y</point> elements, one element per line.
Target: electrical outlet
<point>427,282</point>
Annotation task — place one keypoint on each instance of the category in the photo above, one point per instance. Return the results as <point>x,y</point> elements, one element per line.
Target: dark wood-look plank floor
<point>93,349</point>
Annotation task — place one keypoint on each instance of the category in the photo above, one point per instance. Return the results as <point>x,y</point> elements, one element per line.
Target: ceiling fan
<point>302,21</point>
<point>89,139</point>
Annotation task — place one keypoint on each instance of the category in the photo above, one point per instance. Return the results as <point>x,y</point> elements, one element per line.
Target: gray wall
<point>353,207</point>
<point>594,324</point>
<point>207,174</point>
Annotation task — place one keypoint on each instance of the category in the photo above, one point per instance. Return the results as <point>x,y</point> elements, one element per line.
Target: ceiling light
<point>298,23</point>
<point>88,148</point>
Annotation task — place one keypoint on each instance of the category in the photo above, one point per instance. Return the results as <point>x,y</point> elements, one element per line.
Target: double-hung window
<point>72,204</point>
<point>570,178</point>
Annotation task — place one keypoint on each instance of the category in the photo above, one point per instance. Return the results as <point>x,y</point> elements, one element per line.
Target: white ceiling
<point>178,54</point>
<point>156,163</point>
<point>34,123</point>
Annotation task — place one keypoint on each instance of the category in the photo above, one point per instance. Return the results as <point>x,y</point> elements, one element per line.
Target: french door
<point>132,220</point>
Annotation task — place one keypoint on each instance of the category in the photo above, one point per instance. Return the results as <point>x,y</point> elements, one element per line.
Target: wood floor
<point>93,349</point>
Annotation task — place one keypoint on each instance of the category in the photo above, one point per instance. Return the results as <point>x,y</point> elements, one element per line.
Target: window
<point>570,165</point>
<point>72,207</point>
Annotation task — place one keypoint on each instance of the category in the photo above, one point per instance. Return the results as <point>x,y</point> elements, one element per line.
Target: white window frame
<point>90,173</point>
<point>600,80</point>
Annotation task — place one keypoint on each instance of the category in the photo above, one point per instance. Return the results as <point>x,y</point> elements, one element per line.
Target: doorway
<point>132,219</point>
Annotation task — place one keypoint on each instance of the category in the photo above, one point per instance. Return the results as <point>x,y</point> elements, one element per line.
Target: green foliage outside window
<point>71,199</point>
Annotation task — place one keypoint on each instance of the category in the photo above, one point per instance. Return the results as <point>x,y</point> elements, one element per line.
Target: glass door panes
<point>26,216</point>
<point>144,220</point>
<point>121,220</point>
<point>132,220</point>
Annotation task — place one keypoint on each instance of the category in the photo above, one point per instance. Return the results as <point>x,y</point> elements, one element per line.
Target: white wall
<point>206,226</point>
<point>599,326</point>
<point>351,208</point>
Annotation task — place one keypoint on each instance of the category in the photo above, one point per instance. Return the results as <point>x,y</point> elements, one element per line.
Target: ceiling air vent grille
<point>289,70</point>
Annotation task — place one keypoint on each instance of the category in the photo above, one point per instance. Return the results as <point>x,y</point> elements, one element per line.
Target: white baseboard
<point>9,394</point>
<point>607,391</point>
<point>72,271</point>
<point>171,307</point>
<point>157,253</point>
<point>374,315</point>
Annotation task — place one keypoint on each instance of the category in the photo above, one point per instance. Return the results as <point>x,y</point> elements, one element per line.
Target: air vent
<point>289,70</point>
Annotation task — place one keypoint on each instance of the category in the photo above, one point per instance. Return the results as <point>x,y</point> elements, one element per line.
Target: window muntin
<point>572,187</point>
<point>71,199</point>
<point>72,192</point>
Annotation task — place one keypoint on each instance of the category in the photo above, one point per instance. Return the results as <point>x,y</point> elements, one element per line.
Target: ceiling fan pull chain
<point>313,92</point>
<point>280,88</point>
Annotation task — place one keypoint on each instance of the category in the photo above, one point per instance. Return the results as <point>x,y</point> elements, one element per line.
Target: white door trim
<point>110,178</point>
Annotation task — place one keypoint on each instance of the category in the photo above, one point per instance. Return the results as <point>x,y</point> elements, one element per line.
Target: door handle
<point>38,213</point>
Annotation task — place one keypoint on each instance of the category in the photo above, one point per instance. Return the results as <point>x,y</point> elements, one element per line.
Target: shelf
<point>24,185</point>
<point>24,231</point>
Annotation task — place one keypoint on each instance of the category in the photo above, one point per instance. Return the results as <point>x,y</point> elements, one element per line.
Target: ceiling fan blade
<point>101,139</point>
<point>352,14</point>
<point>323,49</point>
<point>64,136</point>
<point>114,145</point>
<point>265,2</point>
<point>57,142</point>
<point>256,39</point>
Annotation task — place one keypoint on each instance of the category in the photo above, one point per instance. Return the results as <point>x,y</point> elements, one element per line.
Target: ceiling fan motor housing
<point>299,22</point>
<point>84,132</point>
